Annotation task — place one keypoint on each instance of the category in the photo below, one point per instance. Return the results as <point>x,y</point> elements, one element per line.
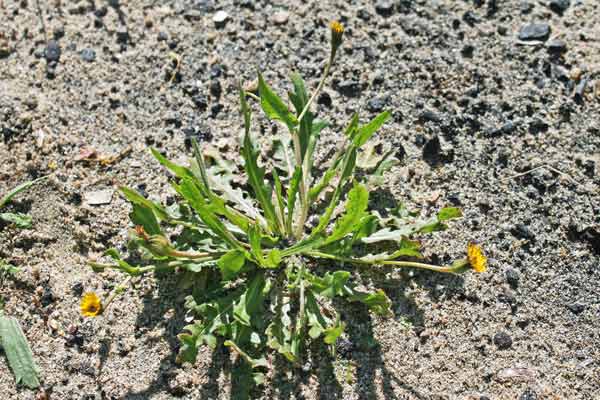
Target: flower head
<point>337,32</point>
<point>90,306</point>
<point>476,258</point>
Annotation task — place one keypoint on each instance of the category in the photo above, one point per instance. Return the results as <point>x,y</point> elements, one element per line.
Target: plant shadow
<point>369,376</point>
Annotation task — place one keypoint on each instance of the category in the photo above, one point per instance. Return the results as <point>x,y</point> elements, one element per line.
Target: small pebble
<point>88,55</point>
<point>52,52</point>
<point>535,32</point>
<point>502,340</point>
<point>98,197</point>
<point>280,17</point>
<point>220,18</point>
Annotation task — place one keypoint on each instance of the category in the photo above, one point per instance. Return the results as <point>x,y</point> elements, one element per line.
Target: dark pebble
<point>432,149</point>
<point>420,139</point>
<point>47,297</point>
<point>576,308</point>
<point>162,36</point>
<point>215,88</point>
<point>502,340</point>
<point>101,12</point>
<point>512,277</point>
<point>344,347</point>
<point>580,90</point>
<point>556,46</point>
<point>559,6</point>
<point>535,32</point>
<point>324,99</point>
<point>506,129</point>
<point>77,288</point>
<point>200,101</point>
<point>216,109</point>
<point>384,7</point>
<point>349,88</point>
<point>375,105</point>
<point>429,116</point>
<point>122,36</point>
<point>470,18</point>
<point>52,52</point>
<point>467,51</point>
<point>525,7</point>
<point>528,394</point>
<point>88,55</point>
<point>59,32</point>
<point>521,231</point>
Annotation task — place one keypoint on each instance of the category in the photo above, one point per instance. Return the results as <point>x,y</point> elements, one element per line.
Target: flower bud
<point>159,246</point>
<point>337,32</point>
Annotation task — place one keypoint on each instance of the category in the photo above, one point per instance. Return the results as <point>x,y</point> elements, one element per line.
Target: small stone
<point>376,105</point>
<point>350,88</point>
<point>512,277</point>
<point>535,32</point>
<point>324,99</point>
<point>52,52</point>
<point>58,32</point>
<point>98,197</point>
<point>576,308</point>
<point>384,7</point>
<point>344,347</point>
<point>5,49</point>
<point>559,6</point>
<point>556,46</point>
<point>215,88</point>
<point>502,340</point>
<point>162,36</point>
<point>77,288</point>
<point>429,116</point>
<point>122,36</point>
<point>220,18</point>
<point>467,51</point>
<point>280,17</point>
<point>432,149</point>
<point>515,374</point>
<point>88,55</point>
<point>521,231</point>
<point>528,394</point>
<point>525,7</point>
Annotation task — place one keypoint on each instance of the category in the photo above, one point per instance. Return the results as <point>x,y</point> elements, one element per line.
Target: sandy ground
<point>473,105</point>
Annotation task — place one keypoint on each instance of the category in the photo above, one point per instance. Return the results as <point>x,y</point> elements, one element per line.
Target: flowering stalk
<point>337,32</point>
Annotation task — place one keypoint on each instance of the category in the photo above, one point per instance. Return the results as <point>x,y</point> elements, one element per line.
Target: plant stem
<point>305,173</point>
<point>116,291</point>
<point>409,264</point>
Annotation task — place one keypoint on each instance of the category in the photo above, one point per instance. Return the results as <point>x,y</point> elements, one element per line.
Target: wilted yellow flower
<point>91,306</point>
<point>476,258</point>
<point>337,32</point>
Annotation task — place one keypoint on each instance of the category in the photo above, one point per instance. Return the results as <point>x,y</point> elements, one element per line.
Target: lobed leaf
<point>365,132</point>
<point>356,205</point>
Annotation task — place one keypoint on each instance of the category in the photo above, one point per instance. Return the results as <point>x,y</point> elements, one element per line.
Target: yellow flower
<point>90,305</point>
<point>337,31</point>
<point>476,258</point>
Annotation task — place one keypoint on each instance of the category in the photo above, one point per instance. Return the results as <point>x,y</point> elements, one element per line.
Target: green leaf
<point>352,128</point>
<point>449,213</point>
<point>231,264</point>
<point>144,216</point>
<point>178,170</point>
<point>136,198</point>
<point>18,353</point>
<point>24,186</point>
<point>377,302</point>
<point>332,334</point>
<point>254,362</point>
<point>251,301</point>
<point>356,205</point>
<point>273,106</point>
<point>330,285</point>
<point>190,192</point>
<point>256,178</point>
<point>22,221</point>
<point>365,132</point>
